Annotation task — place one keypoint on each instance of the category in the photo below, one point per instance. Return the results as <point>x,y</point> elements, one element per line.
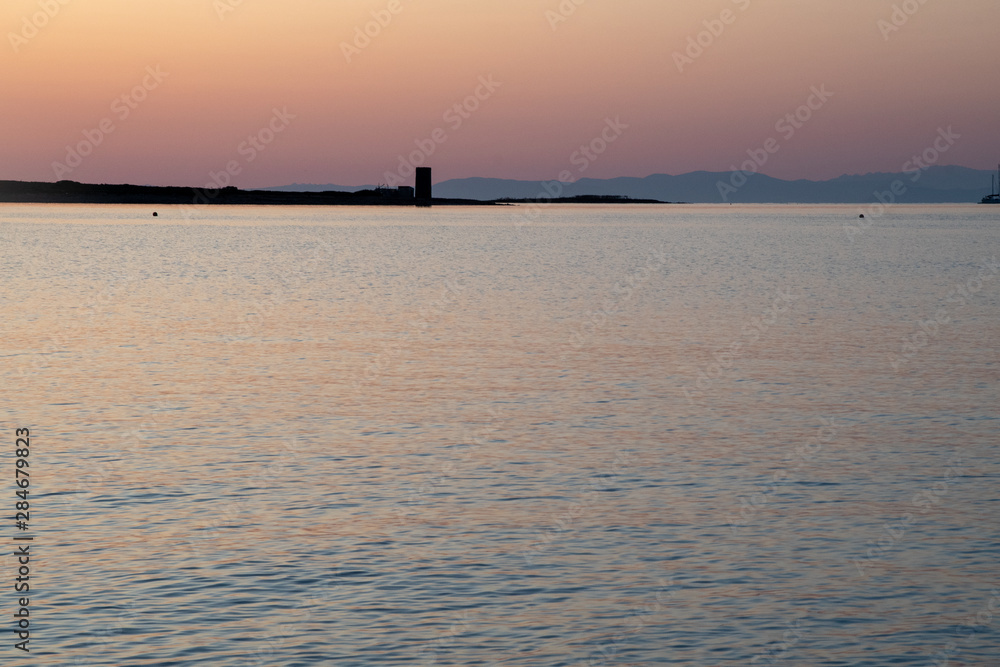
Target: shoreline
<point>72,192</point>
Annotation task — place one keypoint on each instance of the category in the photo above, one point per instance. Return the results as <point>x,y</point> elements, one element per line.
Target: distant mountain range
<point>938,184</point>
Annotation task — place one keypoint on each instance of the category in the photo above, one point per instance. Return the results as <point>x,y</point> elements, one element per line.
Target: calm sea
<point>687,435</point>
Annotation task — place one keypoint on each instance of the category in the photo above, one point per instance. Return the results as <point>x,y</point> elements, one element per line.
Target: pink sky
<point>211,73</point>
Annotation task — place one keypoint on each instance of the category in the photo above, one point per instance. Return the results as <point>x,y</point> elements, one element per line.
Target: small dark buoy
<point>155,214</point>
<point>862,216</point>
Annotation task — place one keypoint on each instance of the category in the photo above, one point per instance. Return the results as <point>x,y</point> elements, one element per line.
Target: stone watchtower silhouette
<point>424,188</point>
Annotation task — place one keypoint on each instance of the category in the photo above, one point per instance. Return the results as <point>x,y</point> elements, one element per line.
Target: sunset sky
<point>211,74</point>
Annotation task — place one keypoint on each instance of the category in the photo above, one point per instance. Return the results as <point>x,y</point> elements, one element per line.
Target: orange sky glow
<point>172,93</point>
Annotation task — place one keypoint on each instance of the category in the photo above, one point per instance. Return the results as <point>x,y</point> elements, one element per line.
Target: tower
<point>424,189</point>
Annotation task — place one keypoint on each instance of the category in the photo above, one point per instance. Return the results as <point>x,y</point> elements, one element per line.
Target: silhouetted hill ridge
<point>938,184</point>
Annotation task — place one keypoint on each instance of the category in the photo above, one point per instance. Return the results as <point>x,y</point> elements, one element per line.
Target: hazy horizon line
<point>525,180</point>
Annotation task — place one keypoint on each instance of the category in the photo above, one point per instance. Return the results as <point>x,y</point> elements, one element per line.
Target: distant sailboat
<point>994,196</point>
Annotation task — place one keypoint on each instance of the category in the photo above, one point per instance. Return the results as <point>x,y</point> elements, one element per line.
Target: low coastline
<point>71,192</point>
